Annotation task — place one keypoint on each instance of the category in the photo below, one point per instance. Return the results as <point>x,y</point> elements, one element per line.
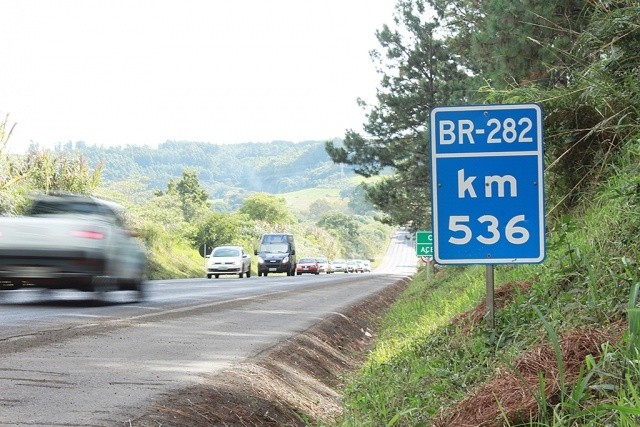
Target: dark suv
<point>277,254</point>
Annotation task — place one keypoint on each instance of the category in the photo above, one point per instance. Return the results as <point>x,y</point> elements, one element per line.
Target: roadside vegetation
<point>565,350</point>
<point>176,221</point>
<point>566,346</point>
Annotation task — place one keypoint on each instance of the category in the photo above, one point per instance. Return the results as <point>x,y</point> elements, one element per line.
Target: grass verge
<point>565,350</point>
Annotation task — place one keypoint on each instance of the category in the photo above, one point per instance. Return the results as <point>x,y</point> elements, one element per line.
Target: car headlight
<point>260,260</point>
<point>285,260</point>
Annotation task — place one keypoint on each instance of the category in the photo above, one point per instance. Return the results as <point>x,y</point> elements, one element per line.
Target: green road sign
<point>424,243</point>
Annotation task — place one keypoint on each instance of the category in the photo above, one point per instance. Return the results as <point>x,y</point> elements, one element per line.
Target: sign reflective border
<point>487,184</point>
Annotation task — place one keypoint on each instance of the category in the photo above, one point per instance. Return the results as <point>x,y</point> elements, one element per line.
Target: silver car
<point>71,241</point>
<point>339,266</point>
<point>324,266</point>
<point>228,260</point>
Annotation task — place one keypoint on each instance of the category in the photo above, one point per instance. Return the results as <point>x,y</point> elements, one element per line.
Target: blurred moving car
<point>307,265</point>
<point>324,266</point>
<point>367,265</point>
<point>359,266</point>
<point>339,266</point>
<point>228,259</point>
<point>70,241</point>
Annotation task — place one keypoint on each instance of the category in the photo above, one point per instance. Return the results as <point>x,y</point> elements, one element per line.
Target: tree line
<point>174,221</point>
<point>229,172</point>
<point>577,58</point>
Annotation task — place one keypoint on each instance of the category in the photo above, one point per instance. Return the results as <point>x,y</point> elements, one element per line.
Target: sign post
<point>424,248</point>
<point>487,185</point>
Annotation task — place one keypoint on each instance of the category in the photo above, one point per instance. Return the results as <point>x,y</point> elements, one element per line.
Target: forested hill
<point>274,167</point>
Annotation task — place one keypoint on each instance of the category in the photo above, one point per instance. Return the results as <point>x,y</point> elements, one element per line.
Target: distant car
<point>324,266</point>
<point>331,269</point>
<point>351,266</point>
<point>276,254</point>
<point>228,260</point>
<point>339,266</point>
<point>359,268</point>
<point>367,265</point>
<point>307,265</point>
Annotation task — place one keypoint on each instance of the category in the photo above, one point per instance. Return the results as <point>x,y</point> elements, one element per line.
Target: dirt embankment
<point>295,383</point>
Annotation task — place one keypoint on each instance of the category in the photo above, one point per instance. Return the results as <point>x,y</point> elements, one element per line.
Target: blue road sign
<point>487,184</point>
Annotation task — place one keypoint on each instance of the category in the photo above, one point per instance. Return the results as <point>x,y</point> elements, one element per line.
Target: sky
<point>142,72</point>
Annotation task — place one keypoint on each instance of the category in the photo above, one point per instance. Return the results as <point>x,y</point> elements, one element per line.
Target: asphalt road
<point>69,359</point>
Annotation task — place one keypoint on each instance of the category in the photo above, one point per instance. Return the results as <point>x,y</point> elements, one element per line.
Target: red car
<point>307,265</point>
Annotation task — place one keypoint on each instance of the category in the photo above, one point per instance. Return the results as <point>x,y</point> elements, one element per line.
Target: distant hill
<point>225,171</point>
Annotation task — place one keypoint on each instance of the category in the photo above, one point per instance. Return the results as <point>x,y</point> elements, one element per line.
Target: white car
<point>339,266</point>
<point>228,260</point>
<point>324,266</point>
<point>71,241</point>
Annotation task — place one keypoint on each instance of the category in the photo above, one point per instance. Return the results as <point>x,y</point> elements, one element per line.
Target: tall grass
<point>428,356</point>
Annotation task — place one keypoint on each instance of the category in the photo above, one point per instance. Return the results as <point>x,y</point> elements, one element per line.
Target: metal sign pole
<point>491,314</point>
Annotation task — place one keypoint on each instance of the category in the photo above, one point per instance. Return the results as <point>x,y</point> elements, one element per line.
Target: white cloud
<point>147,71</point>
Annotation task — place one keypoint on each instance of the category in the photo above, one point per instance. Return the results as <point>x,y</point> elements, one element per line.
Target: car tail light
<point>88,234</point>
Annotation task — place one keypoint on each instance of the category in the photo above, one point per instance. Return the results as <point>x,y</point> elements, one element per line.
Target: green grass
<point>302,199</point>
<point>424,362</point>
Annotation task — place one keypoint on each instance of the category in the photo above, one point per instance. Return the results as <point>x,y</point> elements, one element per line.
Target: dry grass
<point>511,395</point>
<point>502,296</point>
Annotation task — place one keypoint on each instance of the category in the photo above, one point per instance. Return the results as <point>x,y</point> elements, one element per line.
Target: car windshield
<point>226,252</point>
<point>62,207</point>
<point>275,248</point>
<point>307,260</point>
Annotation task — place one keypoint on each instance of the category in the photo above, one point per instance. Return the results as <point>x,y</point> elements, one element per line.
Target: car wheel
<point>216,276</point>
<point>141,294</point>
<point>208,276</point>
<point>241,275</point>
<point>249,272</point>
